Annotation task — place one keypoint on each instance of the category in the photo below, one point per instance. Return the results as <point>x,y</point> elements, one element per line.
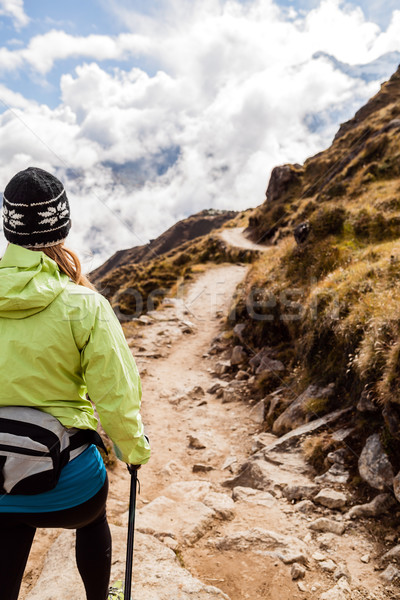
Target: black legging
<point>93,544</point>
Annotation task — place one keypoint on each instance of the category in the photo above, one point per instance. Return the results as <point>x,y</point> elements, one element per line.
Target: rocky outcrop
<point>282,179</point>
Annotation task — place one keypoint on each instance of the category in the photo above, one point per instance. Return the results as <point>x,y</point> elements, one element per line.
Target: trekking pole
<point>131,531</point>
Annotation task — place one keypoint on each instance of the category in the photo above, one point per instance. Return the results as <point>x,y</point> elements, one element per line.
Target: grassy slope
<point>344,323</point>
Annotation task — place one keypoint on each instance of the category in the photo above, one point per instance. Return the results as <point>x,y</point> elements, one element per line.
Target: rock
<point>301,586</point>
<point>338,457</point>
<point>242,375</point>
<point>195,443</point>
<point>253,474</point>
<point>365,558</point>
<point>238,355</point>
<point>341,591</point>
<point>378,506</point>
<point>393,554</point>
<point>262,440</point>
<point>341,571</point>
<point>230,395</point>
<point>158,574</point>
<point>222,367</point>
<point>266,476</point>
<point>336,474</point>
<point>257,413</point>
<point>187,327</point>
<point>277,404</point>
<point>305,506</point>
<point>290,438</point>
<point>390,574</point>
<point>374,466</point>
<point>246,494</point>
<point>318,556</point>
<point>200,468</point>
<point>287,548</point>
<point>299,412</point>
<point>197,392</point>
<point>331,498</point>
<point>297,572</point>
<point>340,435</point>
<point>222,504</point>
<point>327,525</point>
<point>185,520</point>
<point>228,462</point>
<point>300,492</point>
<point>365,403</point>
<point>262,363</point>
<point>217,386</point>
<point>238,331</point>
<point>328,565</point>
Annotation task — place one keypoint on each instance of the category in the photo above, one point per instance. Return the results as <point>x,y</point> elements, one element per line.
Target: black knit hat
<point>35,209</point>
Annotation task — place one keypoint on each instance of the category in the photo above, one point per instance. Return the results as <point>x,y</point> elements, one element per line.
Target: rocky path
<point>211,522</point>
<point>235,237</point>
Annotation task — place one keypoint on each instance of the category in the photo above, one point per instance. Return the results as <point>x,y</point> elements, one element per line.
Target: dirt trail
<point>171,348</point>
<point>235,237</point>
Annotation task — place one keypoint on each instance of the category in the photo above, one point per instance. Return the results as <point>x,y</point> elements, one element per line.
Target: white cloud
<point>236,89</point>
<point>15,10</point>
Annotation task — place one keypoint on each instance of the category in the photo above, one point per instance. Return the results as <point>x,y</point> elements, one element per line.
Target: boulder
<point>374,465</point>
<point>158,573</point>
<point>331,498</point>
<point>298,412</point>
<point>378,506</point>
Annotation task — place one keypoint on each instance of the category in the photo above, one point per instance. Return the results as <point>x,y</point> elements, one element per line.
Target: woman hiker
<point>60,340</point>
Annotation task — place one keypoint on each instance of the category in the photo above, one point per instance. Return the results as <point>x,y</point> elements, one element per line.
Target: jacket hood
<point>29,282</point>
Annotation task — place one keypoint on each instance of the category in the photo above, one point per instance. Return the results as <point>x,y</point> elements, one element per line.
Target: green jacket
<point>61,341</point>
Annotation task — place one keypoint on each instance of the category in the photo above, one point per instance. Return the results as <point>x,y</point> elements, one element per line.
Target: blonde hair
<point>68,263</point>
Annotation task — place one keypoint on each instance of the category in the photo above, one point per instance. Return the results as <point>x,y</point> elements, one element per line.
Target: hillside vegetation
<point>327,299</point>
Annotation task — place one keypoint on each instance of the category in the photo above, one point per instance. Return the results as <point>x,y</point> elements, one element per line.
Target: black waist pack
<point>34,447</point>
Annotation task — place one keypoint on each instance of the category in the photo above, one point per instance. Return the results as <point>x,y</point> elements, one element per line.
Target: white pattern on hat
<point>11,217</point>
<point>53,214</point>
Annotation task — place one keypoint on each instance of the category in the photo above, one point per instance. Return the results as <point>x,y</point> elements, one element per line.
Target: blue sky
<point>151,111</point>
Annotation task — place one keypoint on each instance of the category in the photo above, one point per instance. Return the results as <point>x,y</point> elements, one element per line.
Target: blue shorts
<point>80,479</point>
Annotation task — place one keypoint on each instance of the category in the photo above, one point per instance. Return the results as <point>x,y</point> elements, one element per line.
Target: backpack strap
<point>82,437</point>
